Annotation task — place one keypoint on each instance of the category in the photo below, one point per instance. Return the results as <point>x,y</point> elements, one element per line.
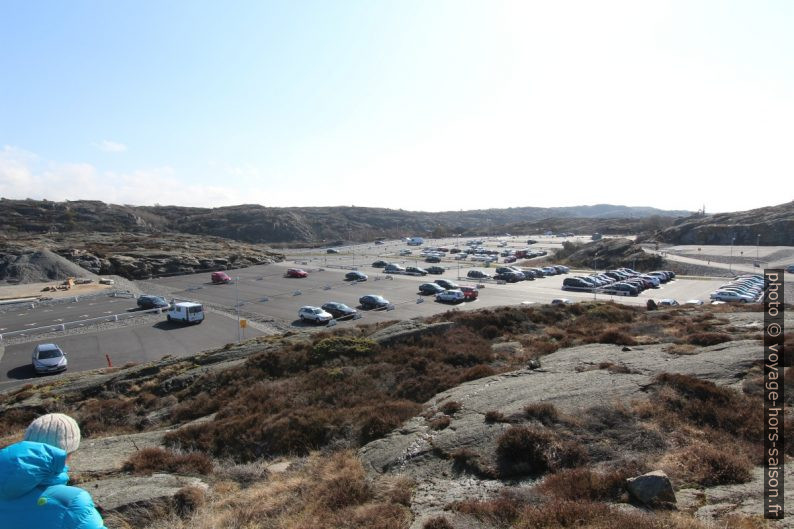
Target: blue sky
<point>425,105</point>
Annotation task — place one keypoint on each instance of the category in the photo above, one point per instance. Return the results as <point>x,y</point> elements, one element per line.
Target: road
<point>42,315</point>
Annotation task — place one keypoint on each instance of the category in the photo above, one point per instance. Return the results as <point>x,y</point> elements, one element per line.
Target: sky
<point>427,105</point>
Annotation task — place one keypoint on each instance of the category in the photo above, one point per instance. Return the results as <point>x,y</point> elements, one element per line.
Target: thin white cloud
<point>110,146</point>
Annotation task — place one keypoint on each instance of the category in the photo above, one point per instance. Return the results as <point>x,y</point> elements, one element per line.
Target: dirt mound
<point>38,265</point>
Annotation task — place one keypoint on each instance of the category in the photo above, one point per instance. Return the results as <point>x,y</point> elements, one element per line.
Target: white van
<point>186,312</point>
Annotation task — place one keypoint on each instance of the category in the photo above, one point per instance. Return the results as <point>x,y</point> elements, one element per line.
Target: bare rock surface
<point>744,498</point>
<point>119,492</point>
<point>407,329</point>
<point>569,379</point>
<point>108,454</point>
<point>651,488</point>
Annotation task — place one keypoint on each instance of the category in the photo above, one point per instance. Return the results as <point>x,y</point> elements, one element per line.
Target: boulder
<point>652,488</point>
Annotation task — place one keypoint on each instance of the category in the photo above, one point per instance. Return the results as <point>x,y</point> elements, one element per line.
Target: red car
<point>220,277</point>
<point>469,293</point>
<point>296,272</point>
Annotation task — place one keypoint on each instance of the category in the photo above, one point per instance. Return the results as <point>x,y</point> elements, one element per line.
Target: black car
<point>432,259</point>
<point>510,277</point>
<point>477,274</point>
<point>430,289</point>
<point>356,276</point>
<point>415,270</point>
<point>373,301</point>
<point>437,270</point>
<point>332,250</point>
<point>152,302</point>
<point>448,285</point>
<point>379,264</point>
<point>339,310</point>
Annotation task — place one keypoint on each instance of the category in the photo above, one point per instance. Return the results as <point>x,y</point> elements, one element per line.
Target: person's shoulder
<point>68,496</point>
<point>77,503</point>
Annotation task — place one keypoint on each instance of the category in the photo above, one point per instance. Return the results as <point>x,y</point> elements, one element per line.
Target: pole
<point>757,243</point>
<point>730,262</point>
<point>237,292</point>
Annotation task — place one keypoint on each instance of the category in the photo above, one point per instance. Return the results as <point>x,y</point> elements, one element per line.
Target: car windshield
<point>49,353</point>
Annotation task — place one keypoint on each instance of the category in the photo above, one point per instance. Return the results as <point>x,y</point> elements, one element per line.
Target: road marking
<point>83,315</point>
<point>108,312</point>
<point>58,319</point>
<point>30,324</point>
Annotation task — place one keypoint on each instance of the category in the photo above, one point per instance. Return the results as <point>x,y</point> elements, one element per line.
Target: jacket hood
<point>27,465</point>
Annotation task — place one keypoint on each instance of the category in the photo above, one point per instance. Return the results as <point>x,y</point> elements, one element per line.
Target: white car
<point>48,358</point>
<point>728,295</point>
<point>693,302</point>
<point>451,296</point>
<point>561,301</point>
<point>315,314</point>
<point>668,303</point>
<point>405,252</point>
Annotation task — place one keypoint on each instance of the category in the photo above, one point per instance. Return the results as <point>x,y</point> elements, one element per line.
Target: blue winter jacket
<point>34,494</point>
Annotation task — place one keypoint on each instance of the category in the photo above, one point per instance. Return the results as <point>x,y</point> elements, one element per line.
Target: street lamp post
<point>730,262</point>
<point>757,244</point>
<point>237,292</point>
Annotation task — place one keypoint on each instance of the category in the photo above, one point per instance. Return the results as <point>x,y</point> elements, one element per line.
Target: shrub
<point>97,416</point>
<point>616,336</point>
<point>188,499</point>
<point>451,407</point>
<point>500,511</point>
<point>586,484</point>
<point>708,338</point>
<point>466,460</point>
<point>440,423</point>
<point>155,459</point>
<point>439,522</point>
<point>521,451</point>
<point>709,466</point>
<point>494,416</point>
<point>334,347</point>
<point>544,412</point>
<point>378,421</point>
<point>476,372</point>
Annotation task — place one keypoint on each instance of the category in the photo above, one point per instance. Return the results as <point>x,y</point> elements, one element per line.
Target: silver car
<point>48,358</point>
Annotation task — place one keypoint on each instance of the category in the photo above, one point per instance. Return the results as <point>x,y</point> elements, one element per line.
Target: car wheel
<point>744,301</point>
<point>168,318</point>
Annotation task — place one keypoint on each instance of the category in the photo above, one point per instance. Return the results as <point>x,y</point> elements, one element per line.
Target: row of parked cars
<point>621,282</point>
<point>447,291</point>
<point>513,274</point>
<point>743,289</point>
<point>395,268</point>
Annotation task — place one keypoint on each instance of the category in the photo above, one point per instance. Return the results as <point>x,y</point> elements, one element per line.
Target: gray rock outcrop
<point>651,488</point>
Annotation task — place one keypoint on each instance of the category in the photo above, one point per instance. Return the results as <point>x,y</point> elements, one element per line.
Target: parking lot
<point>265,294</point>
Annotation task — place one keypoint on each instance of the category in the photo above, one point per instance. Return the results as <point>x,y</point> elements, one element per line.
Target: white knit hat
<point>55,429</point>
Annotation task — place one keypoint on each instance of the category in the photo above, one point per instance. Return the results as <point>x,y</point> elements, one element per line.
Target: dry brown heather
<point>320,395</point>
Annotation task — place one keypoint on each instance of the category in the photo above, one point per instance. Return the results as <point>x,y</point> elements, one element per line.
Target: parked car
<point>315,314</point>
<point>436,270</point>
<point>339,310</point>
<point>449,285</point>
<point>356,276</point>
<point>470,293</point>
<point>477,274</point>
<point>332,250</point>
<point>668,303</point>
<point>379,264</point>
<point>561,301</point>
<point>510,259</point>
<point>450,296</point>
<point>577,284</point>
<point>430,288</point>
<point>296,272</point>
<point>48,358</point>
<point>693,302</point>
<point>373,301</point>
<point>405,252</point>
<point>432,259</point>
<point>727,295</point>
<point>152,302</point>
<point>510,276</point>
<point>415,270</point>
<point>220,278</point>
<point>393,268</point>
<point>186,312</point>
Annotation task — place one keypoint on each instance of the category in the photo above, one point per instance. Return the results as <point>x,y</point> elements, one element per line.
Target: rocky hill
<point>540,416</point>
<point>131,255</point>
<point>775,224</point>
<point>260,224</point>
<point>608,253</point>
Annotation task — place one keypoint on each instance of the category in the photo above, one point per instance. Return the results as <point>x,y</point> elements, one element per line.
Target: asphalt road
<point>42,315</point>
<point>125,344</point>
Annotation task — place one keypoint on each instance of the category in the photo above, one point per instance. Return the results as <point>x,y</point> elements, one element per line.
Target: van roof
<point>187,304</point>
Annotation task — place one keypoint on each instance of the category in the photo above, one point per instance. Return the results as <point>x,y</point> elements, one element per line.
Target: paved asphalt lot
<point>266,292</point>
